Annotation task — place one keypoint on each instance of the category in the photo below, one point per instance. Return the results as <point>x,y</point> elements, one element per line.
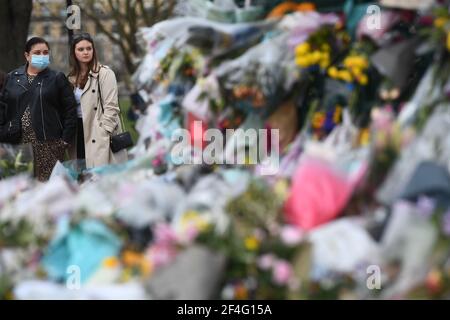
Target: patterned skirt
<point>45,153</point>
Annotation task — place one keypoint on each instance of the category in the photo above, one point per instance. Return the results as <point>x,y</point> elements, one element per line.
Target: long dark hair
<point>75,69</point>
<point>35,40</point>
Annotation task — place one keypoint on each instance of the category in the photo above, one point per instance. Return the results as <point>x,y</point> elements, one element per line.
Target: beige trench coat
<point>98,126</point>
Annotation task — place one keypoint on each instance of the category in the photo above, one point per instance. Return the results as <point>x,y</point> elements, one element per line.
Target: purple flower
<point>446,223</point>
<point>425,206</point>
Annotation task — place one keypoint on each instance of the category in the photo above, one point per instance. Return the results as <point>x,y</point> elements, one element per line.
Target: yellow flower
<point>448,41</point>
<point>302,49</point>
<point>345,75</point>
<point>195,219</point>
<point>111,262</point>
<point>302,62</point>
<point>146,268</point>
<point>349,62</point>
<point>281,188</point>
<point>357,72</point>
<point>440,22</point>
<point>333,72</point>
<point>324,64</point>
<point>324,60</point>
<point>363,80</point>
<point>131,258</point>
<point>364,137</point>
<point>316,56</point>
<point>337,114</point>
<point>251,243</point>
<point>356,62</point>
<point>361,62</point>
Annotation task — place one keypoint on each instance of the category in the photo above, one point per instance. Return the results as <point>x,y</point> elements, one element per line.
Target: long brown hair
<point>75,69</point>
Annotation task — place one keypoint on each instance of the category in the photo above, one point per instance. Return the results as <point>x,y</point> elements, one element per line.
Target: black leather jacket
<point>51,101</point>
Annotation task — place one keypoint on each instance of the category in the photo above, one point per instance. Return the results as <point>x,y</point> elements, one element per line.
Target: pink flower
<point>282,272</point>
<point>291,235</point>
<point>266,261</point>
<point>190,234</point>
<point>156,162</point>
<point>161,255</point>
<point>164,234</point>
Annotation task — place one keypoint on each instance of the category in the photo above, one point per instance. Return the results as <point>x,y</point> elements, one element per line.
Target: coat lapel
<point>92,76</point>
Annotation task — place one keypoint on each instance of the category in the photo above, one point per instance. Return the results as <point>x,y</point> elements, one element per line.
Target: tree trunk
<point>14,22</point>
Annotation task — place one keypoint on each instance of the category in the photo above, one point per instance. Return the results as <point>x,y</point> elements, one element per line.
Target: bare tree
<point>14,23</point>
<point>129,16</point>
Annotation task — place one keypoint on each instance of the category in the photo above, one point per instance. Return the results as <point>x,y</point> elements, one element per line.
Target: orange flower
<point>318,120</point>
<point>288,7</point>
<point>111,262</point>
<point>240,292</point>
<point>131,258</point>
<point>306,6</point>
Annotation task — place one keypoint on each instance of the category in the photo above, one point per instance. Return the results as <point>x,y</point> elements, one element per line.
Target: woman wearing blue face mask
<point>37,106</point>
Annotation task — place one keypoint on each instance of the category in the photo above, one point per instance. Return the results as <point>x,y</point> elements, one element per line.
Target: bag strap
<point>101,102</point>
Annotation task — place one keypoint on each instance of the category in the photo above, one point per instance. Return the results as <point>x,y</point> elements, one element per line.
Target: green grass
<point>125,104</point>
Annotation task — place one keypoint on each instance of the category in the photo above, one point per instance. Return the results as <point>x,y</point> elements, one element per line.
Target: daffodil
<point>337,114</point>
<point>440,22</point>
<point>251,243</point>
<point>345,75</point>
<point>302,62</point>
<point>333,72</point>
<point>302,49</point>
<point>316,56</point>
<point>363,80</point>
<point>357,72</point>
<point>111,262</point>
<point>193,218</point>
<point>448,41</point>
<point>364,137</point>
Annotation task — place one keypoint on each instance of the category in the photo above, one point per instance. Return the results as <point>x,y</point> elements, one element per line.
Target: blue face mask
<point>40,61</point>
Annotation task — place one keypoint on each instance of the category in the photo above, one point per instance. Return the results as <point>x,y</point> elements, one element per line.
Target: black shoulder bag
<point>119,141</point>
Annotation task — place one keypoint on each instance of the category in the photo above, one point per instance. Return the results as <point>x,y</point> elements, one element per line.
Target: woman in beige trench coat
<point>98,112</point>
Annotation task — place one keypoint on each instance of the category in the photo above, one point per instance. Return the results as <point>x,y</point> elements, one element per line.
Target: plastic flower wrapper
<point>11,187</point>
<point>388,18</point>
<point>33,213</point>
<point>15,159</point>
<point>396,61</point>
<point>204,98</point>
<point>195,273</point>
<point>46,290</point>
<point>430,145</point>
<point>421,105</point>
<point>302,24</point>
<point>145,202</point>
<point>222,11</point>
<point>254,81</point>
<point>205,204</point>
<point>317,195</point>
<point>407,5</point>
<point>216,40</point>
<point>408,240</point>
